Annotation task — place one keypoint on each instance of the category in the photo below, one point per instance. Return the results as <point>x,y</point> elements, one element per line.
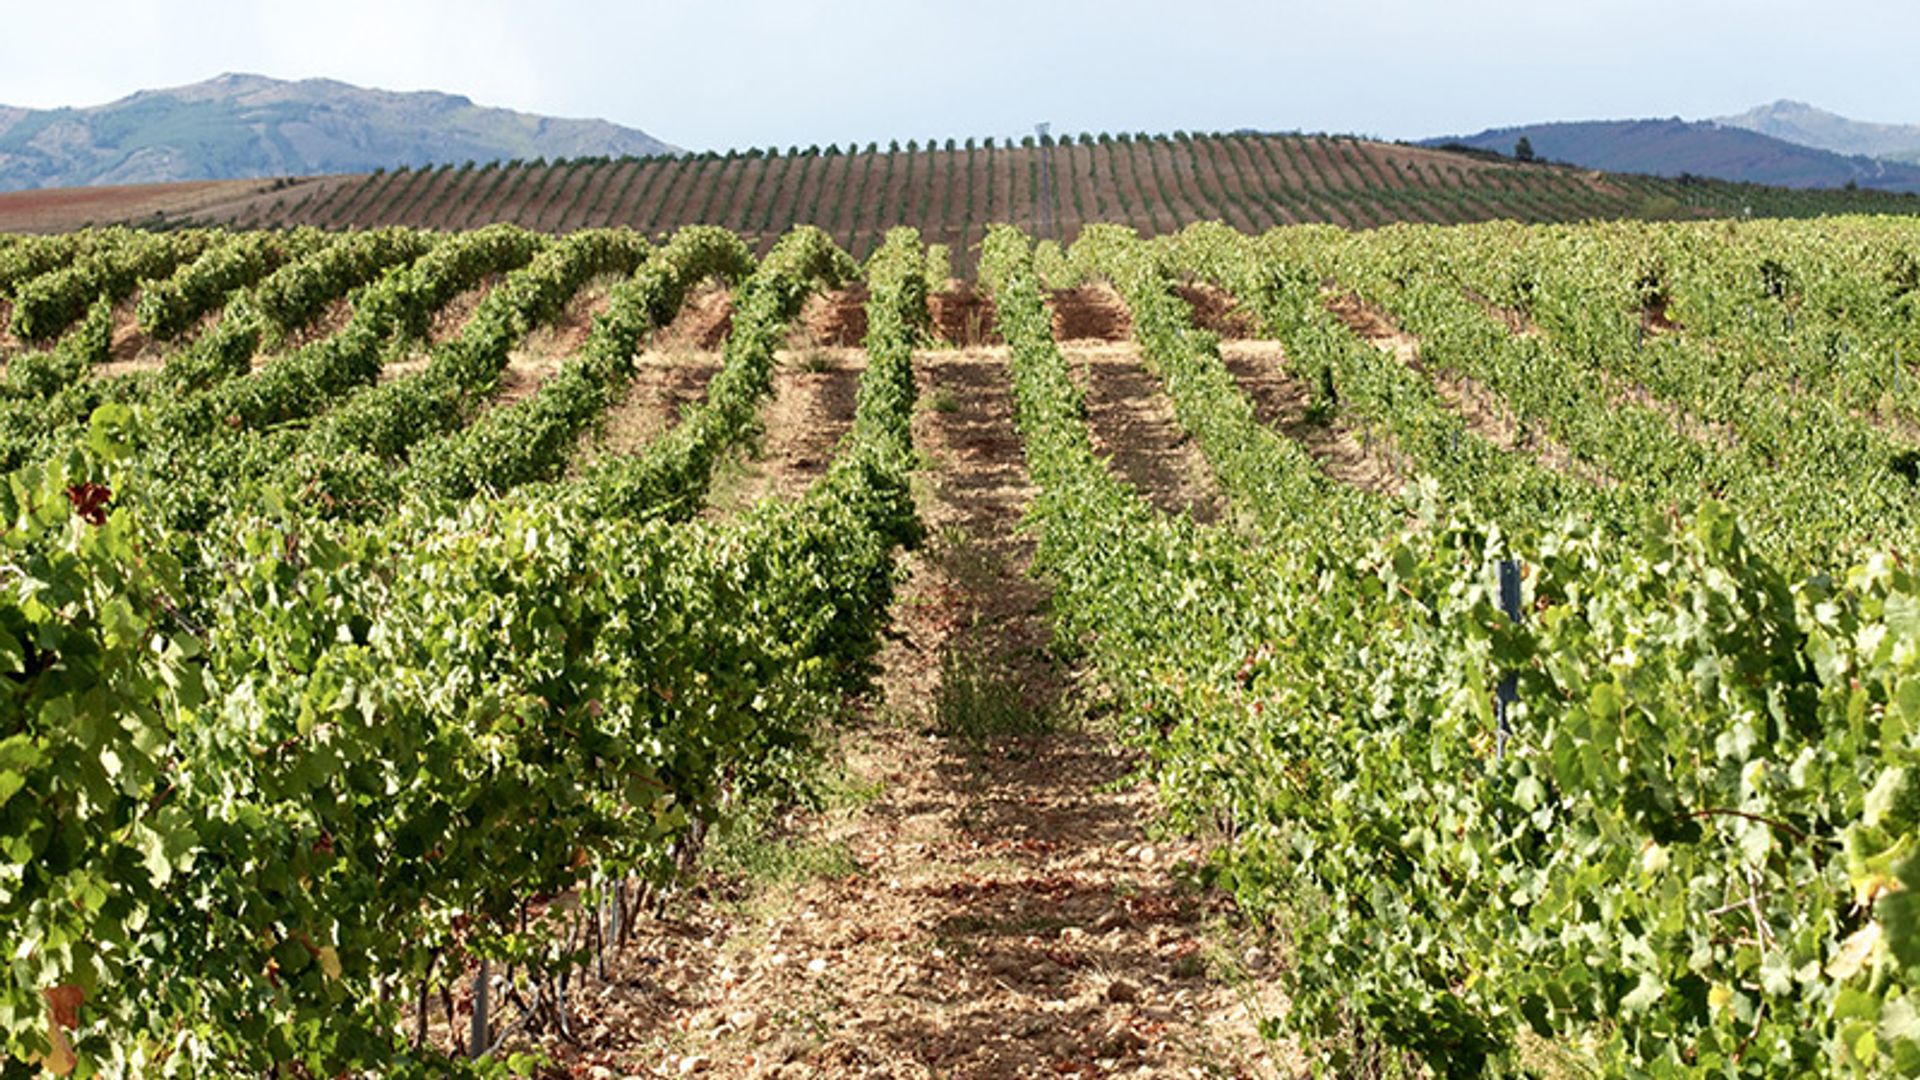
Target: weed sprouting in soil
<point>983,701</point>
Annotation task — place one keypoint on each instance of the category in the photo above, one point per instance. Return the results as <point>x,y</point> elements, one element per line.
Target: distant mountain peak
<point>242,124</point>
<point>1809,125</point>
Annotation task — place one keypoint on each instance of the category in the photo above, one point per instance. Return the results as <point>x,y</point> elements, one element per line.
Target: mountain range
<point>1786,143</point>
<point>239,126</point>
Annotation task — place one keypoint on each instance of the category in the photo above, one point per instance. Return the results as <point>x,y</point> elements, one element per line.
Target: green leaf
<point>1648,990</point>
<point>1902,614</point>
<point>1894,800</point>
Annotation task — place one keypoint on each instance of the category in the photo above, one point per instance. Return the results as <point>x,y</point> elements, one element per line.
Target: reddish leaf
<point>63,1004</point>
<point>90,502</point>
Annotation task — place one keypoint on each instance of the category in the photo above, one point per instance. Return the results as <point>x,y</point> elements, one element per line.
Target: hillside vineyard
<point>350,665</point>
<point>950,190</point>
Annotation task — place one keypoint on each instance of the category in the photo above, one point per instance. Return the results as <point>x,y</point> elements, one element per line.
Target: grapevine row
<point>1585,870</point>
<point>390,742</point>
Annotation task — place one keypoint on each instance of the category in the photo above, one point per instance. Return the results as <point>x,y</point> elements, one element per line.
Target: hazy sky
<point>779,72</point>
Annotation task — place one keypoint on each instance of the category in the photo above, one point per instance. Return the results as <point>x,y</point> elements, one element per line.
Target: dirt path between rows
<point>547,349</point>
<point>1133,422</point>
<point>10,346</point>
<point>532,361</point>
<point>814,391</point>
<point>664,384</point>
<point>1484,412</point>
<point>980,896</point>
<point>1284,403</point>
<point>451,320</point>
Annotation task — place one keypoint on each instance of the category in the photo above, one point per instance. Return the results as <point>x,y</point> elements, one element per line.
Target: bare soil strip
<point>547,349</point>
<point>330,321</point>
<point>9,345</point>
<point>703,322</point>
<point>980,898</point>
<point>452,319</point>
<point>1219,311</point>
<point>836,319</point>
<point>1089,313</point>
<point>1654,318</point>
<point>812,408</point>
<point>664,384</point>
<point>1485,412</point>
<point>532,362</point>
<point>1133,423</point>
<point>131,349</point>
<point>1283,402</point>
<point>963,316</point>
<point>64,209</point>
<point>1516,322</point>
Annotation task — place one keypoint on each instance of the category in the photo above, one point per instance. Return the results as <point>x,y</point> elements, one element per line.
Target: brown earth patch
<point>532,362</point>
<point>1132,423</point>
<point>1089,313</point>
<point>1654,319</point>
<point>207,321</point>
<point>1218,311</point>
<point>1516,322</point>
<point>329,322</point>
<point>963,316</point>
<point>453,316</point>
<point>1488,416</point>
<point>570,329</point>
<point>522,378</point>
<point>836,319</point>
<point>1283,403</point>
<point>977,589</point>
<point>702,323</point>
<point>548,348</point>
<point>663,386</point>
<point>401,367</point>
<point>1486,413</point>
<point>115,369</point>
<point>979,906</point>
<point>49,210</point>
<point>9,345</point>
<point>814,391</point>
<point>131,344</point>
<point>1372,326</point>
<point>1898,425</point>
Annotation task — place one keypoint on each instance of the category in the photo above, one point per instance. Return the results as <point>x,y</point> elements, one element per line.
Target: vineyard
<point>1453,650</point>
<point>950,189</point>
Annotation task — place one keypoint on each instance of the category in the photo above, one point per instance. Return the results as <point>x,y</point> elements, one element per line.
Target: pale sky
<point>780,72</point>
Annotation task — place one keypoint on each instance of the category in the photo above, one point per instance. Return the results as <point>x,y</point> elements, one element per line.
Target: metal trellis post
<point>1509,691</point>
<point>477,1040</point>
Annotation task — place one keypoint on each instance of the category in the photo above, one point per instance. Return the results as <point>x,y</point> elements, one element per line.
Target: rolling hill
<point>243,126</point>
<point>1697,148</point>
<point>950,191</point>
